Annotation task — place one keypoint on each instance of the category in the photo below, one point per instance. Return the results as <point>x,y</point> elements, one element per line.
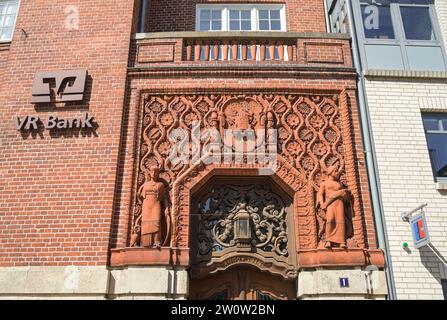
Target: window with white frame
<point>435,126</point>
<point>241,17</point>
<point>8,15</point>
<point>399,35</point>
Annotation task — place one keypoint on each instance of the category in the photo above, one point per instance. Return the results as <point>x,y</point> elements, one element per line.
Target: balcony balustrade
<point>241,48</point>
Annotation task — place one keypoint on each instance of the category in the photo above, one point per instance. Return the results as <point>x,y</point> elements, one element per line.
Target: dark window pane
<point>217,15</point>
<point>437,145</point>
<point>274,14</point>
<point>204,25</point>
<point>264,25</point>
<point>437,142</point>
<point>246,25</point>
<point>377,22</point>
<point>263,15</point>
<point>444,125</point>
<point>234,14</point>
<point>276,25</point>
<point>444,287</point>
<point>246,14</point>
<point>417,23</point>
<point>234,25</point>
<point>431,124</point>
<point>204,14</point>
<point>217,25</point>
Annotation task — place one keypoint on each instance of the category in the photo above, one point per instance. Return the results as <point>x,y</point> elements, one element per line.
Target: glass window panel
<point>216,25</point>
<point>217,15</point>
<point>204,25</point>
<point>384,57</point>
<point>246,25</point>
<point>275,15</point>
<point>205,14</point>
<point>2,8</point>
<point>437,142</point>
<point>234,14</point>
<point>12,9</point>
<point>377,22</point>
<point>425,58</point>
<point>263,15</point>
<point>437,145</point>
<point>276,25</point>
<point>9,21</point>
<point>2,19</point>
<point>234,25</point>
<point>246,15</point>
<point>444,125</point>
<point>264,25</point>
<point>431,123</point>
<point>6,34</point>
<point>417,23</point>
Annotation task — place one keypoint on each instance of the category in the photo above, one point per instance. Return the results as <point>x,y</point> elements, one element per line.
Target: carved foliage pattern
<point>218,209</point>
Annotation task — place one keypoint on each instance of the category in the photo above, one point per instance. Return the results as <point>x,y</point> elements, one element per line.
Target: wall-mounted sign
<point>59,86</point>
<point>420,230</point>
<point>344,282</point>
<point>54,122</point>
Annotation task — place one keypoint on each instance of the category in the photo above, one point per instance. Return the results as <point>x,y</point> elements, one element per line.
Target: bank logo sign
<point>59,86</point>
<point>420,231</point>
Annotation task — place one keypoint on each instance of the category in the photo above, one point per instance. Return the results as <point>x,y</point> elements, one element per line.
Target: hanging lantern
<point>242,230</point>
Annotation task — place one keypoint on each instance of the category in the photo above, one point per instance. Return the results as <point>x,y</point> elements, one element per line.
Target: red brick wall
<point>57,192</point>
<point>175,15</point>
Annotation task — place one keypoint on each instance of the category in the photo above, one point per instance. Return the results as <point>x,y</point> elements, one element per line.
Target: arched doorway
<point>242,283</point>
<point>242,241</point>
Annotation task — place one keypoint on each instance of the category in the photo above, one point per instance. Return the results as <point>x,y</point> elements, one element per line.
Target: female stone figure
<point>153,194</point>
<point>331,198</point>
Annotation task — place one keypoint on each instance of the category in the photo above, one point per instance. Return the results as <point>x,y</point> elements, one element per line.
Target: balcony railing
<point>241,47</point>
<point>241,50</point>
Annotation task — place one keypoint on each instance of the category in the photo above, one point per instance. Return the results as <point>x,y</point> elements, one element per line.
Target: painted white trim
<point>254,8</point>
<point>19,2</point>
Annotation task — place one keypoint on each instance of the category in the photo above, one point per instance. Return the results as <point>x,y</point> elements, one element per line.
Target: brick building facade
<point>74,205</point>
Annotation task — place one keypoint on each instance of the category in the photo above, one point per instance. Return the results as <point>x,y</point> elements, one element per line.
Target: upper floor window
<point>435,126</point>
<point>399,35</point>
<point>241,17</point>
<point>8,14</point>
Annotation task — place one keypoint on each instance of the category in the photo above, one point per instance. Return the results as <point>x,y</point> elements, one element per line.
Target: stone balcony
<point>240,48</point>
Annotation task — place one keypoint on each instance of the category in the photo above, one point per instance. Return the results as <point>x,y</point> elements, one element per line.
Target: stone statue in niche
<point>154,199</point>
<point>334,202</point>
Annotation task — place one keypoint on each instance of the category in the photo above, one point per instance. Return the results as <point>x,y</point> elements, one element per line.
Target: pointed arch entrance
<point>242,240</point>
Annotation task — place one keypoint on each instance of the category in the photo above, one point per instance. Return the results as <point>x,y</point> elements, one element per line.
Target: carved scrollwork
<point>218,212</point>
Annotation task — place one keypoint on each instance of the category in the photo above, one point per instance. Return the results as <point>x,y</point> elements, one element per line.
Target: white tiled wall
<point>407,181</point>
<point>406,177</point>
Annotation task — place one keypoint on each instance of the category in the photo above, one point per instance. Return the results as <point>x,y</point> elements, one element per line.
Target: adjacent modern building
<point>401,58</point>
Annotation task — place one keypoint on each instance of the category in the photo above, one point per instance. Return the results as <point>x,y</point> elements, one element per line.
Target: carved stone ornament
<point>264,218</point>
<point>335,212</point>
<point>314,133</point>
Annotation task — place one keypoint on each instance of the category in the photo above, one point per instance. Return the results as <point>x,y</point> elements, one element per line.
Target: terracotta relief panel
<point>315,161</point>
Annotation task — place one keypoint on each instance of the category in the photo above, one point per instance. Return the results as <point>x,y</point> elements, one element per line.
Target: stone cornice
<point>246,70</point>
<point>240,35</point>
